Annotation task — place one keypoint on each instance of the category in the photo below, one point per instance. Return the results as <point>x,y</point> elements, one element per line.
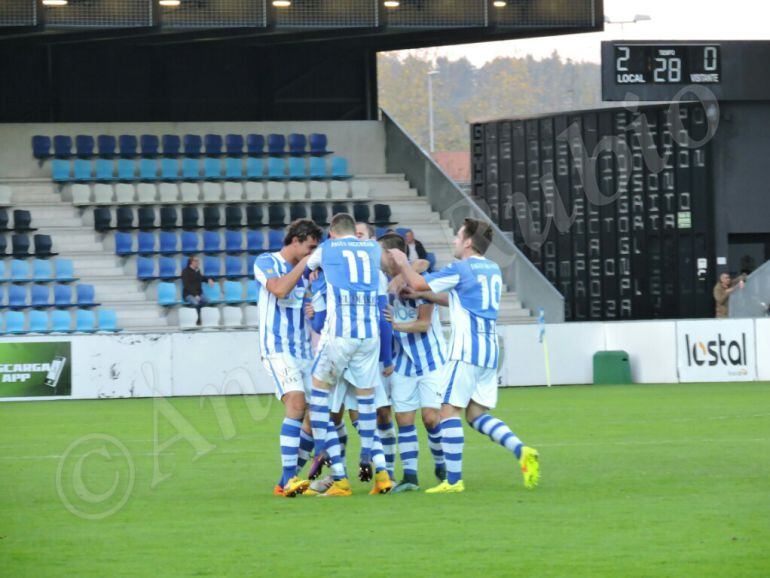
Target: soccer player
<point>351,267</point>
<point>284,338</point>
<point>417,382</point>
<point>475,285</point>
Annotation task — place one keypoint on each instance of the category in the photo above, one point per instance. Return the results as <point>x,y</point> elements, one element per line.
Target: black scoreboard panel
<point>659,70</point>
<point>634,257</point>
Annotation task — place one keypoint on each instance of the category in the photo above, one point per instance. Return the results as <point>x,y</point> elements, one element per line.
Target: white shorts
<point>466,382</point>
<point>345,393</point>
<point>355,359</point>
<point>412,393</point>
<point>289,374</point>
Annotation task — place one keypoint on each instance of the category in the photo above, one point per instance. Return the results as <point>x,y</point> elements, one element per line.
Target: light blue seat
<point>340,168</point>
<point>108,320</point>
<point>255,169</point>
<point>61,321</point>
<point>14,323</point>
<point>19,270</point>
<point>82,170</point>
<point>276,168</point>
<point>145,268</point>
<point>148,170</point>
<point>85,321</point>
<point>167,295</point>
<point>60,170</point>
<point>62,295</point>
<point>297,168</point>
<point>212,168</point>
<point>233,169</point>
<point>318,168</point>
<point>104,170</point>
<point>42,271</point>
<point>126,169</point>
<point>40,296</point>
<point>191,170</point>
<point>65,270</point>
<point>17,297</point>
<point>169,169</point>
<point>124,243</point>
<point>212,292</point>
<point>38,322</point>
<point>233,292</point>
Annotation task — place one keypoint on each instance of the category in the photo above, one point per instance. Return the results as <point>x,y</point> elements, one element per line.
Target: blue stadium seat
<point>192,145</point>
<point>145,268</point>
<point>38,322</point>
<point>85,321</point>
<point>233,169</point>
<point>20,245</point>
<point>40,296</point>
<point>212,266</point>
<point>167,268</point>
<point>233,266</point>
<point>250,260</point>
<point>104,170</point>
<point>318,168</point>
<point>431,257</point>
<point>255,169</point>
<point>169,243</point>
<point>318,143</point>
<point>276,168</point>
<point>126,169</point>
<point>41,146</point>
<point>149,144</point>
<point>191,170</point>
<point>148,170</point>
<point>297,144</point>
<point>124,243</point>
<point>108,320</point>
<point>213,144</point>
<point>106,144</point>
<point>340,168</point>
<point>252,290</point>
<point>3,277</point>
<point>19,271</point>
<point>2,297</point>
<point>82,170</point>
<point>169,169</point>
<point>84,145</point>
<point>167,295</point>
<point>62,295</point>
<point>380,231</point>
<point>127,144</point>
<point>212,292</point>
<point>212,168</point>
<point>62,146</point>
<point>255,241</point>
<point>234,144</point>
<point>401,231</point>
<point>60,171</point>
<point>233,292</point>
<point>43,246</point>
<point>297,168</point>
<point>17,296</point>
<point>275,239</point>
<point>65,270</point>
<point>190,242</point>
<point>255,145</point>
<point>61,322</point>
<point>212,242</point>
<point>14,322</point>
<point>145,243</point>
<point>86,295</point>
<point>171,145</point>
<point>233,241</point>
<point>42,271</point>
<point>276,144</point>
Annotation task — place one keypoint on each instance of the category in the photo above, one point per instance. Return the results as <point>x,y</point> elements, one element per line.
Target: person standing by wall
<point>722,291</point>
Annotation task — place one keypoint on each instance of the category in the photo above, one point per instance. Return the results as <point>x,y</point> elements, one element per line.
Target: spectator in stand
<point>192,285</point>
<point>414,249</point>
<point>722,290</point>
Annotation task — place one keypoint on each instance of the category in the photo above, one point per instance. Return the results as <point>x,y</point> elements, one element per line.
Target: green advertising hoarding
<point>35,369</point>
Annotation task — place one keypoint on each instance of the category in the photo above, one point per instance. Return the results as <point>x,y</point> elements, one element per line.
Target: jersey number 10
<point>491,288</point>
<point>366,266</point>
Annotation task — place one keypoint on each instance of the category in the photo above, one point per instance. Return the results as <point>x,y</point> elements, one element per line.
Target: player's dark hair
<point>302,229</point>
<point>369,229</point>
<point>393,241</point>
<point>343,224</point>
<point>480,234</point>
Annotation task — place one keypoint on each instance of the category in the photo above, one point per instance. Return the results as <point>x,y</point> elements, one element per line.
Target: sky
<point>670,20</point>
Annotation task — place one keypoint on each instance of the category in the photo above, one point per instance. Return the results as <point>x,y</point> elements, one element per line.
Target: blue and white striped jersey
<point>417,353</point>
<point>282,323</point>
<point>318,293</point>
<point>351,267</point>
<point>475,286</point>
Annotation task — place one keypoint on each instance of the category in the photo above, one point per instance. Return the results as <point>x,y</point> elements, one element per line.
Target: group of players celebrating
<point>381,350</point>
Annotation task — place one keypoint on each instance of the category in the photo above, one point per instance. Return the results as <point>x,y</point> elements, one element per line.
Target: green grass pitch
<point>642,480</point>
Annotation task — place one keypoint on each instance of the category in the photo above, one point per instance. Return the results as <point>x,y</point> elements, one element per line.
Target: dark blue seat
<point>171,145</point>
<point>276,144</point>
<point>22,220</point>
<point>233,241</point>
<point>167,268</point>
<point>41,146</point>
<point>62,146</point>
<point>145,243</point>
<point>190,242</point>
<point>84,145</point>
<point>255,145</point>
<point>234,144</point>
<point>124,218</point>
<point>255,241</point>
<point>106,143</point>
<point>190,217</point>
<point>276,215</point>
<point>20,245</point>
<point>211,217</point>
<point>233,267</point>
<point>145,268</point>
<point>213,144</point>
<point>275,239</point>
<point>192,145</point>
<point>104,170</point>
<point>254,216</point>
<point>318,143</point>
<point>319,212</point>
<point>127,144</point>
<point>233,217</point>
<point>212,266</point>
<point>40,296</point>
<point>297,144</point>
<point>212,242</point>
<point>17,296</point>
<point>124,243</point>
<point>43,246</point>
<point>168,218</point>
<point>149,144</point>
<point>169,243</point>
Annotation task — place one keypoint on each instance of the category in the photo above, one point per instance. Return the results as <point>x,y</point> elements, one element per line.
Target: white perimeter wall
<point>228,362</point>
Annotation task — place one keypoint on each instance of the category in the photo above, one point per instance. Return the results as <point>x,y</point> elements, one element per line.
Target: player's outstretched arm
<point>411,277</point>
<point>282,286</point>
<point>437,298</point>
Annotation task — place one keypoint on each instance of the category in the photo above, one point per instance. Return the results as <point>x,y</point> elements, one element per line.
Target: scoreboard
<point>661,70</point>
